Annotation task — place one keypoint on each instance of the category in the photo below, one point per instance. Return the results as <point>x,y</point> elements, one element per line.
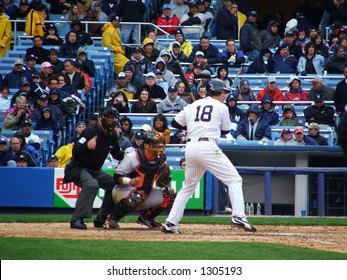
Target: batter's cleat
<point>112,223</point>
<point>78,224</point>
<point>170,228</point>
<point>99,224</point>
<point>242,222</point>
<point>152,224</point>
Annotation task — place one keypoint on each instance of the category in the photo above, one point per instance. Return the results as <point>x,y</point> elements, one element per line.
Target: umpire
<point>84,169</point>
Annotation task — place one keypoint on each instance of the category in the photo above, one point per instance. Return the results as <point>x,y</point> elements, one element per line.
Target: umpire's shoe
<point>99,224</point>
<point>78,224</point>
<point>242,222</point>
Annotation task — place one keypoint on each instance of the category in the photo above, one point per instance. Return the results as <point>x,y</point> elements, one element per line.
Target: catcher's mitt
<point>164,176</point>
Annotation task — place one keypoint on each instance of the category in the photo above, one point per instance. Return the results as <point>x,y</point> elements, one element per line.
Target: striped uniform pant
<point>202,156</point>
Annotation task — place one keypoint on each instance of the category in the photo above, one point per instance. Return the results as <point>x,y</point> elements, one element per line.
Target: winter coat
<point>258,66</point>
<point>5,34</point>
<point>35,23</point>
<point>240,58</point>
<point>167,75</point>
<point>69,50</point>
<point>299,93</point>
<point>167,106</point>
<point>154,54</point>
<point>173,21</point>
<point>211,54</point>
<point>271,116</point>
<point>250,38</point>
<point>317,61</point>
<point>111,38</point>
<point>40,53</point>
<point>286,121</point>
<point>268,38</point>
<point>276,95</point>
<point>131,10</point>
<point>283,65</point>
<point>322,115</point>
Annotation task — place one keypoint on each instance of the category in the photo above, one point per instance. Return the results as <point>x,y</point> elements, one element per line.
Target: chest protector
<point>147,170</point>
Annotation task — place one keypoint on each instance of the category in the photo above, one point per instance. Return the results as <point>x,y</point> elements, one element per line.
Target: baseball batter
<point>205,120</point>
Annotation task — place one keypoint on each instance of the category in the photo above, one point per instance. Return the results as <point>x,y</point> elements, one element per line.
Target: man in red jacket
<point>167,19</point>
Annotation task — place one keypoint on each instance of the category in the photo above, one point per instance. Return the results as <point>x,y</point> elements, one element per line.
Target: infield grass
<point>62,249</point>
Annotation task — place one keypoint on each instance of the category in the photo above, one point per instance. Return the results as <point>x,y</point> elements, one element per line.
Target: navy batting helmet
<point>215,87</point>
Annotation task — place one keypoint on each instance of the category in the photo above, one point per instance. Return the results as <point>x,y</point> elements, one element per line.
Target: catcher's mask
<point>156,141</point>
<point>107,114</point>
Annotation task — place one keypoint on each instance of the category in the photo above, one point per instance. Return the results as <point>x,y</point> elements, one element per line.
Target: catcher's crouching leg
<point>147,215</point>
<point>124,207</point>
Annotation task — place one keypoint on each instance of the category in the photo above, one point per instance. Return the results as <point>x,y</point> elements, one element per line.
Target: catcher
<point>143,181</point>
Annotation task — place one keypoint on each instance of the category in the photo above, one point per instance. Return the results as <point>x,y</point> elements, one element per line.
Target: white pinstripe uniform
<point>205,118</point>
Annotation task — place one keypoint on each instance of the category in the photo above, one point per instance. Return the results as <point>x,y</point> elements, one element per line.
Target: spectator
<point>21,13</point>
<point>268,112</point>
<point>286,138</point>
<point>143,64</point>
<point>199,61</point>
<point>35,22</point>
<point>301,139</point>
<point>46,72</point>
<point>5,101</point>
<point>261,62</point>
<point>294,49</point>
<point>313,132</point>
<point>183,163</point>
<point>149,51</point>
<point>172,104</point>
<point>289,116</point>
<point>243,91</point>
<point>271,89</point>
<point>253,127</point>
<point>84,5</point>
<point>283,62</point>
<point>99,14</point>
<point>111,38</point>
<point>155,91</point>
<point>83,38</point>
<point>22,160</point>
<point>211,52</point>
<point>167,19</point>
<point>311,62</point>
<point>109,7</point>
<point>179,8</point>
<point>53,161</point>
<point>195,20</point>
<point>25,91</point>
<point>250,38</point>
<point>87,65</point>
<point>153,36</point>
<point>29,137</point>
<point>17,114</point>
<point>58,65</point>
<point>209,18</point>
<point>131,11</point>
<point>167,75</point>
<point>177,53</point>
<point>321,46</point>
<point>70,47</point>
<point>74,13</point>
<point>336,63</point>
<point>186,46</point>
<point>30,63</point>
<point>295,92</point>
<point>318,88</point>
<point>269,36</point>
<point>235,113</point>
<point>119,102</point>
<point>133,75</point>
<point>169,61</point>
<point>122,85</point>
<point>340,97</point>
<point>6,31</point>
<point>127,128</point>
<point>59,7</point>
<point>229,21</point>
<point>144,103</point>
<point>37,50</point>
<point>30,149</point>
<point>6,158</point>
<point>123,141</point>
<point>15,149</point>
<point>222,74</point>
<point>64,154</point>
<point>51,37</point>
<point>185,95</point>
<point>75,78</point>
<point>160,125</point>
<point>319,112</point>
<point>15,78</point>
<point>38,87</point>
<point>160,81</point>
<point>47,122</point>
<point>231,56</point>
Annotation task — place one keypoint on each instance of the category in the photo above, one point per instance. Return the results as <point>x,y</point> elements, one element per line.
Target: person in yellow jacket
<point>111,38</point>
<point>35,22</point>
<point>5,31</point>
<point>186,46</point>
<point>64,154</point>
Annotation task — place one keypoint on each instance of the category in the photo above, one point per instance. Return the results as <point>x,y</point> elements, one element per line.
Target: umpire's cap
<point>215,87</point>
<point>108,111</point>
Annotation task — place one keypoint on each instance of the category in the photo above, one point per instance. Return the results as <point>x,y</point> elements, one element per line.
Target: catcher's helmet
<point>156,140</point>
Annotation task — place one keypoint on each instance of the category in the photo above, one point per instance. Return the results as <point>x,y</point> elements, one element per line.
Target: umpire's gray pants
<point>90,182</point>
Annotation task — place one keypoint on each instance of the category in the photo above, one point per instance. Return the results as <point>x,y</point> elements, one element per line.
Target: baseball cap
<point>317,79</point>
<point>271,79</point>
<point>189,77</point>
<point>139,135</point>
<point>199,53</point>
<point>23,3</point>
<point>136,49</point>
<point>54,91</point>
<point>128,68</point>
<point>113,17</point>
<point>36,2</point>
<point>22,157</point>
<point>23,93</point>
<point>313,126</point>
<point>298,129</point>
<point>51,26</point>
<point>81,50</point>
<point>43,96</point>
<point>121,75</point>
<point>253,13</point>
<point>25,82</point>
<point>18,61</point>
<point>26,122</point>
<point>166,7</point>
<point>172,89</point>
<point>283,46</point>
<point>286,130</point>
<point>244,83</point>
<point>205,74</point>
<point>157,71</point>
<point>179,31</point>
<point>176,43</point>
<point>318,97</point>
<point>46,64</point>
<point>292,78</point>
<point>3,140</point>
<point>46,109</point>
<point>31,57</point>
<point>289,33</point>
<point>53,157</point>
<point>81,123</point>
<point>146,128</point>
<point>150,75</point>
